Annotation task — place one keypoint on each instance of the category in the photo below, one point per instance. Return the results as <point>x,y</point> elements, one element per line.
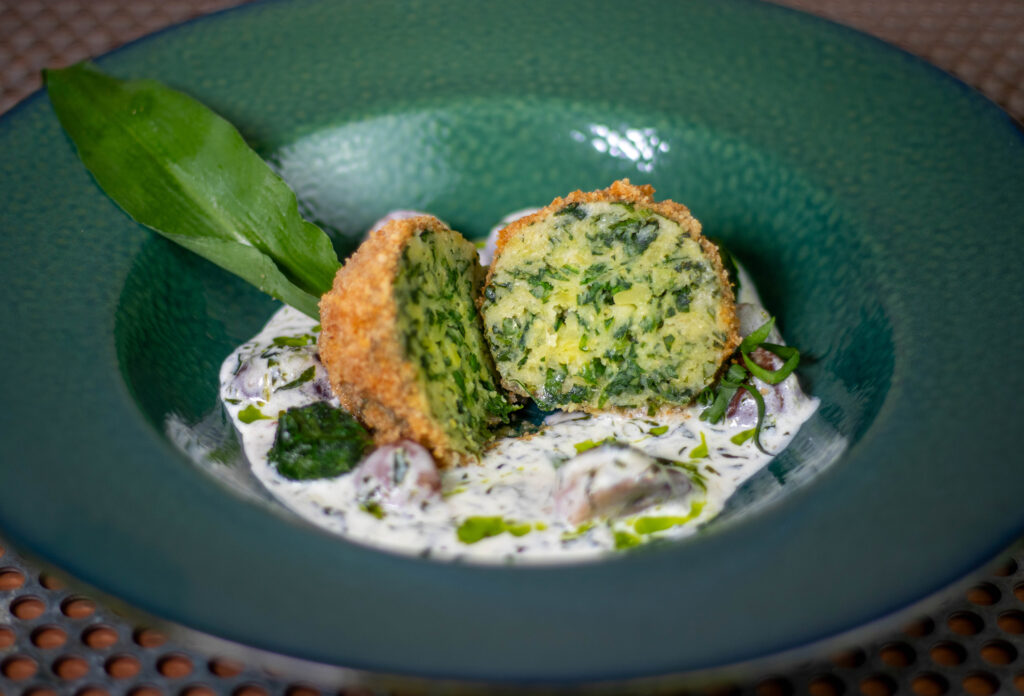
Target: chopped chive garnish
<point>757,337</point>
<point>727,388</point>
<point>788,353</point>
<point>760,416</point>
<point>717,398</point>
<point>294,341</point>
<point>306,376</point>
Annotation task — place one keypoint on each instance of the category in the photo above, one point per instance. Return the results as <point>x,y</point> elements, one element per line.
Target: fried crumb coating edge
<point>361,349</point>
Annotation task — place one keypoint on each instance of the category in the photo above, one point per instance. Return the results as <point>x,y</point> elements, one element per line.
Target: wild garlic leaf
<point>251,265</point>
<point>177,167</point>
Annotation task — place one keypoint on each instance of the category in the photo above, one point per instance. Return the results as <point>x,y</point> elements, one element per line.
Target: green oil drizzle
<point>741,437</point>
<point>251,414</point>
<point>653,524</point>
<point>474,529</point>
<point>701,451</point>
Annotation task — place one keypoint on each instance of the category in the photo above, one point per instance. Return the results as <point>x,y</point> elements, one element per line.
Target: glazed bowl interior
<point>463,162</point>
<point>875,201</point>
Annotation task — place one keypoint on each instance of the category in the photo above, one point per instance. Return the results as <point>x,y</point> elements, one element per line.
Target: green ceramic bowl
<point>877,202</point>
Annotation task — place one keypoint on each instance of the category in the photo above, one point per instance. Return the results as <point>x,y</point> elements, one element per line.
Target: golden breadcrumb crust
<point>622,191</point>
<point>360,346</point>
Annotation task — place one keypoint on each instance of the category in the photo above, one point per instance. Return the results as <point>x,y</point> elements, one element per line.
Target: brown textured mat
<point>56,642</point>
<point>979,41</point>
<point>37,34</point>
<point>53,642</point>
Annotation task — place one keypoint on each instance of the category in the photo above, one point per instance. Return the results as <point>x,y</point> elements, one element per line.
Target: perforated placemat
<point>54,642</point>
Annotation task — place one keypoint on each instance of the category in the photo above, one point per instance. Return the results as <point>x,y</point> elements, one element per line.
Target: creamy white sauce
<point>514,492</point>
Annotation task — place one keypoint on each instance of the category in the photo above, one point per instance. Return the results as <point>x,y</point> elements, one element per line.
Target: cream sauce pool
<point>578,488</point>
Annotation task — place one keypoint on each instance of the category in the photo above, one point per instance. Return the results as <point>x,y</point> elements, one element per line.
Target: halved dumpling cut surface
<point>608,301</point>
<point>403,343</point>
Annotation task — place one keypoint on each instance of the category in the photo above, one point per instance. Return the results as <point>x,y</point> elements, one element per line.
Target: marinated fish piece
<point>612,480</point>
<point>608,301</point>
<point>402,343</point>
<point>395,477</point>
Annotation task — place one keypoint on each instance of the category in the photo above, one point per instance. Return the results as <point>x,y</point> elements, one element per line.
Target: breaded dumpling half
<point>608,300</point>
<point>402,341</point>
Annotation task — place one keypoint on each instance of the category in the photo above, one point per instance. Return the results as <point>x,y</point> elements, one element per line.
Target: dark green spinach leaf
<point>317,441</point>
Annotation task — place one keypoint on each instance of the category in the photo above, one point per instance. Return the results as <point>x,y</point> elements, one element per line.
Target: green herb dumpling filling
<point>402,340</point>
<point>439,277</point>
<point>608,301</point>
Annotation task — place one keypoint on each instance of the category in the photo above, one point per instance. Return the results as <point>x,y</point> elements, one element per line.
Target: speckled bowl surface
<point>877,202</point>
